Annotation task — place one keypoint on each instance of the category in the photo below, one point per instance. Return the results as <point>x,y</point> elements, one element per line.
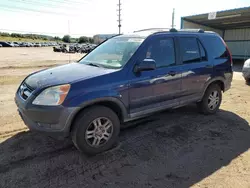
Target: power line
<point>20,9</point>
<point>14,8</point>
<point>68,2</point>
<point>51,4</point>
<point>119,16</point>
<point>71,2</point>
<point>39,33</point>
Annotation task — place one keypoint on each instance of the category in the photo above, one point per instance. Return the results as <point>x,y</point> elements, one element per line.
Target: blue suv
<point>125,78</point>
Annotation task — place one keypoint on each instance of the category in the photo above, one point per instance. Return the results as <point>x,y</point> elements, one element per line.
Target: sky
<point>90,17</point>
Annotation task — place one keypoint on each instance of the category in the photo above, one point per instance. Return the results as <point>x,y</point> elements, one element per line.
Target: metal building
<point>233,25</point>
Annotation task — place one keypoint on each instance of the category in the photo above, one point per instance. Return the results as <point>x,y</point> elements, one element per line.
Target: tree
<point>57,38</point>
<point>66,38</point>
<point>17,35</point>
<point>4,34</point>
<point>91,40</point>
<point>83,39</point>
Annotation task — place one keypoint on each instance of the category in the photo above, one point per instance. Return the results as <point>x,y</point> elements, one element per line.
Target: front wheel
<point>96,130</point>
<point>247,80</point>
<point>211,100</point>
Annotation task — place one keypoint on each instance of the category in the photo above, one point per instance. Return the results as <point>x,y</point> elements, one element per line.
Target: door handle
<point>172,73</point>
<point>209,66</point>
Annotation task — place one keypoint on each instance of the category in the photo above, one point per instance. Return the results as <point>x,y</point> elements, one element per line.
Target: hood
<point>65,74</point>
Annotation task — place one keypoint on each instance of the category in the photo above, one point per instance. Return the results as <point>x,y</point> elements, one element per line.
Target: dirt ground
<point>177,148</point>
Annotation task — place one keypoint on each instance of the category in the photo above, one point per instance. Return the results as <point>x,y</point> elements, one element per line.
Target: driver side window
<point>162,50</point>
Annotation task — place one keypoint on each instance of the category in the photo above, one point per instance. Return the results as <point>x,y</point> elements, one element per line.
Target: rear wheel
<point>96,130</point>
<point>211,100</point>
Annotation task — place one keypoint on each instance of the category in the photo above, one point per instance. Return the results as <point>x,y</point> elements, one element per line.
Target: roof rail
<point>153,29</point>
<point>192,30</point>
<point>161,30</point>
<point>183,30</point>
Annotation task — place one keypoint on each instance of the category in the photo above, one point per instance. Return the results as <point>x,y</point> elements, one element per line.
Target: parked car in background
<point>57,49</point>
<point>5,44</point>
<point>37,44</point>
<point>1,45</point>
<point>246,70</point>
<point>90,100</point>
<point>27,44</point>
<point>17,44</point>
<point>12,44</point>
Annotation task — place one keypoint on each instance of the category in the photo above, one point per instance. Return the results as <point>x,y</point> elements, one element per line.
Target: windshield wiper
<point>93,64</point>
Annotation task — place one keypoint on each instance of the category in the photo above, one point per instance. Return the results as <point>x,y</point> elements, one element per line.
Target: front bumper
<point>54,120</point>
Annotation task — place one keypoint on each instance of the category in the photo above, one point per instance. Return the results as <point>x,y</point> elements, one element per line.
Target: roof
<point>151,31</point>
<point>227,19</point>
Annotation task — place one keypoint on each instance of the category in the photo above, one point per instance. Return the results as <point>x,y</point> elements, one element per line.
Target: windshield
<point>114,53</point>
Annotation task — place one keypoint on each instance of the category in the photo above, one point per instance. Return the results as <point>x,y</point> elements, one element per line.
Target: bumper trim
<point>51,120</point>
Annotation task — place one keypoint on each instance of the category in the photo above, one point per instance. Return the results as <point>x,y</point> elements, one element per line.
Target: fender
<point>115,100</point>
<point>91,98</point>
<point>220,78</point>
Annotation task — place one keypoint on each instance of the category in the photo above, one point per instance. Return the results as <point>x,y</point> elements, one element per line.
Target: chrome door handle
<point>172,73</point>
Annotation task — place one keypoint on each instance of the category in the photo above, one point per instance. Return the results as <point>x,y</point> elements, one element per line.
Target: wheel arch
<point>219,81</point>
<point>113,103</point>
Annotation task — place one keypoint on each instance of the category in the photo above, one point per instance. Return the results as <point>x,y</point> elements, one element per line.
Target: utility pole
<point>68,27</point>
<point>68,44</point>
<point>172,26</point>
<point>119,16</point>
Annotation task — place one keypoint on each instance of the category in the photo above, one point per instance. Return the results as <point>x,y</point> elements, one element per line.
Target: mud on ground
<point>179,148</point>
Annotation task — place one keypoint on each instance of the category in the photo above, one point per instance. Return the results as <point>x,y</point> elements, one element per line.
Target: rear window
<point>216,47</point>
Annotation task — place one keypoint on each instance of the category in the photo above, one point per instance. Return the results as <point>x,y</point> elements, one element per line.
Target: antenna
<point>119,16</point>
<point>173,14</point>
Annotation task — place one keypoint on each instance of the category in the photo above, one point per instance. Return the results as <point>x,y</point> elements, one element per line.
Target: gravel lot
<point>175,148</point>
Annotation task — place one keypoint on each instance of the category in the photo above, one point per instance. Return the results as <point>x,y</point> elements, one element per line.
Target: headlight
<point>52,96</point>
<point>247,63</point>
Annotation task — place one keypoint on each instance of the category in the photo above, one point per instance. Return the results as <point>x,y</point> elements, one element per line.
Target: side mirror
<point>145,65</point>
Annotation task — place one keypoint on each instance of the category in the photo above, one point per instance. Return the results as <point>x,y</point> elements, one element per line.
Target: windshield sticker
<point>135,40</point>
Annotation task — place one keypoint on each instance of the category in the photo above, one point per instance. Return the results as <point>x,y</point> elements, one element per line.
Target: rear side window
<point>202,52</point>
<point>190,50</point>
<point>216,46</point>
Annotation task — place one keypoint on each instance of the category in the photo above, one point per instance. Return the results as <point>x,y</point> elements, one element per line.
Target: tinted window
<point>190,50</point>
<point>216,46</point>
<point>162,51</point>
<point>202,52</point>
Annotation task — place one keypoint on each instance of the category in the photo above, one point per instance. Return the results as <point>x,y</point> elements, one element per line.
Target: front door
<point>160,88</point>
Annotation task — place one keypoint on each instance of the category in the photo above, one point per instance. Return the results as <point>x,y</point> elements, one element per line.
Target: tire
<point>247,80</point>
<point>88,121</point>
<point>206,106</point>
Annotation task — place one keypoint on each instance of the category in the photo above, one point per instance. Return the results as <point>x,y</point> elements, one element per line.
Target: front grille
<point>25,91</point>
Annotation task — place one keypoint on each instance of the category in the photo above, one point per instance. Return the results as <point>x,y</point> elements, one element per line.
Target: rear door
<point>195,68</point>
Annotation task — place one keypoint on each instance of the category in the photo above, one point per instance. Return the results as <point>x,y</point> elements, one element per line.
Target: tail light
<point>230,55</point>
<point>228,51</point>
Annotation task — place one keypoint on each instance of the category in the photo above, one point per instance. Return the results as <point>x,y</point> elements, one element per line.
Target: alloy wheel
<point>99,131</point>
<point>213,100</point>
